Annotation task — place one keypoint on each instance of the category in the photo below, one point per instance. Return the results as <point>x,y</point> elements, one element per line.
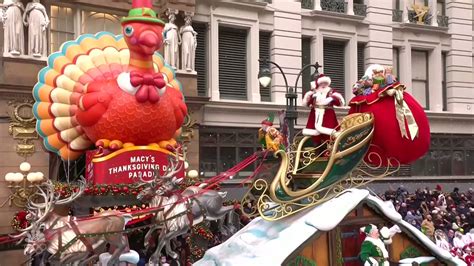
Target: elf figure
<point>373,251</point>
<point>322,119</point>
<point>266,124</point>
<point>269,136</point>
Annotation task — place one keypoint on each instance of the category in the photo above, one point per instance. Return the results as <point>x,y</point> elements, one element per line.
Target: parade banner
<point>127,165</point>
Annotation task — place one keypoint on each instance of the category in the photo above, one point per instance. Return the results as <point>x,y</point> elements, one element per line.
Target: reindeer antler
<point>48,200</point>
<point>82,183</point>
<point>174,166</point>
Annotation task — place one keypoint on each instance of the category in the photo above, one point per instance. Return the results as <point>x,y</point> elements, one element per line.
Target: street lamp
<point>22,184</point>
<point>291,113</point>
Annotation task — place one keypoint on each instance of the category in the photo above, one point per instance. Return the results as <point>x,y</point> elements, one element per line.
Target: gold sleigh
<point>308,175</point>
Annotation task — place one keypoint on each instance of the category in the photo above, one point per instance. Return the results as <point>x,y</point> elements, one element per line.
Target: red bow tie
<point>148,84</point>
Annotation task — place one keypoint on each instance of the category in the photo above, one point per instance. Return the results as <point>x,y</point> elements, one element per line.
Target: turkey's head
<point>143,38</point>
<point>142,30</point>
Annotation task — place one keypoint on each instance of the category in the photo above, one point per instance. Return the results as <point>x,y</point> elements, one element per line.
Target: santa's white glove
<point>325,101</point>
<point>371,262</point>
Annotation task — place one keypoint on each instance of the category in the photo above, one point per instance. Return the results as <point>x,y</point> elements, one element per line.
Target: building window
<point>93,22</point>
<point>264,49</point>
<point>396,62</point>
<point>62,26</point>
<point>449,155</point>
<point>419,61</point>
<point>443,81</point>
<point>222,148</point>
<point>441,6</point>
<point>360,59</point>
<point>201,58</point>
<point>306,60</point>
<point>396,5</point>
<point>334,57</point>
<point>232,63</point>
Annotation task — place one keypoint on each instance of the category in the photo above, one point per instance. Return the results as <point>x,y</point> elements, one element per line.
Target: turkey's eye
<point>128,31</point>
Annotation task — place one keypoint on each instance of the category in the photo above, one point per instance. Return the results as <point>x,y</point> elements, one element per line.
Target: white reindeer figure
<point>49,231</point>
<point>180,210</point>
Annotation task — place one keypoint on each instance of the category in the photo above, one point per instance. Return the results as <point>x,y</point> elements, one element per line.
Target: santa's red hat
<point>438,187</point>
<point>323,79</point>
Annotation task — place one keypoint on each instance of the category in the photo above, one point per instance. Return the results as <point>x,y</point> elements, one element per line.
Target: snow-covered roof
<point>270,243</point>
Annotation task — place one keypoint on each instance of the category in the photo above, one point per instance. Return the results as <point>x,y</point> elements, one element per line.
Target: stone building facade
<point>433,58</point>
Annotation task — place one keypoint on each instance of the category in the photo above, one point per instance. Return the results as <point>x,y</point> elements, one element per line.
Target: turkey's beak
<point>149,41</point>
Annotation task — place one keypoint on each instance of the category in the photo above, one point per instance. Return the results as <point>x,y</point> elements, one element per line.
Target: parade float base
<point>264,242</point>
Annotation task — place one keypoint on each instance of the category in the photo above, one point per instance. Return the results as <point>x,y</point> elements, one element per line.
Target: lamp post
<point>291,95</point>
<point>22,184</point>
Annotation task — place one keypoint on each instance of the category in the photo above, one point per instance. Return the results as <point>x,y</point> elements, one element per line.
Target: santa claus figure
<point>321,99</point>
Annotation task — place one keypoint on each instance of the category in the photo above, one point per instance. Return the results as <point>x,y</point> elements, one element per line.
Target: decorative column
<point>350,66</point>
<point>253,89</point>
<point>350,7</point>
<point>214,57</point>
<point>458,62</point>
<point>286,47</point>
<point>434,12</point>
<point>317,5</point>
<point>435,74</point>
<point>379,48</point>
<point>405,11</point>
<point>405,66</point>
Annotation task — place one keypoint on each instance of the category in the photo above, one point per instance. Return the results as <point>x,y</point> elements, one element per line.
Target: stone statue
<point>13,36</point>
<point>172,40</point>
<point>189,43</point>
<point>37,21</point>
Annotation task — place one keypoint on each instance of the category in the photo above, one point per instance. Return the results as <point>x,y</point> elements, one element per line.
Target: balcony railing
<point>307,4</point>
<point>397,15</point>
<point>443,21</point>
<point>360,10</point>
<point>338,6</point>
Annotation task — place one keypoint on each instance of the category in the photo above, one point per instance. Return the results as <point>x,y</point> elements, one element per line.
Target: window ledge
<point>449,115</point>
<point>25,59</point>
<point>183,72</point>
<point>420,27</point>
<point>253,4</point>
<point>333,15</point>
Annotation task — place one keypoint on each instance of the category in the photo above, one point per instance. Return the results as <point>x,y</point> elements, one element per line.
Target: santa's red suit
<point>469,258</point>
<point>322,119</point>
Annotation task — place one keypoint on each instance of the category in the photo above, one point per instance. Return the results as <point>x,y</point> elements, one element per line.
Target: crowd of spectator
<point>446,218</point>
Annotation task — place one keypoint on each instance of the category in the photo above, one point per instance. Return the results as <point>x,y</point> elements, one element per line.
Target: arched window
<point>93,22</point>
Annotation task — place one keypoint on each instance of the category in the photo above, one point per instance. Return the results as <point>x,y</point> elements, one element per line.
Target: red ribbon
<point>148,84</point>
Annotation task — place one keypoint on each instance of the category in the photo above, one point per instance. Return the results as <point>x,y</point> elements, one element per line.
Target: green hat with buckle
<point>142,11</point>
